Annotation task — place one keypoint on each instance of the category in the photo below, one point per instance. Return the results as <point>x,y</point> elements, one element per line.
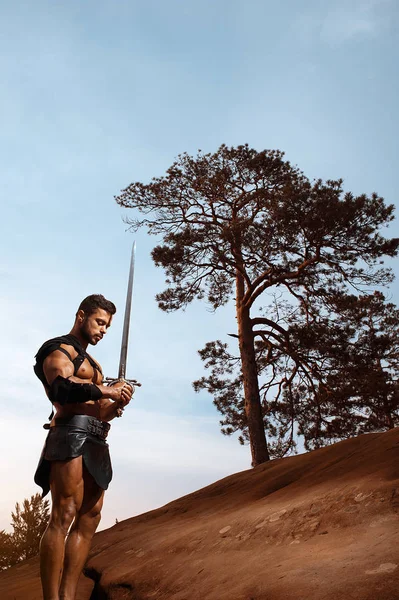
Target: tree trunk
<point>253,410</point>
<point>383,387</point>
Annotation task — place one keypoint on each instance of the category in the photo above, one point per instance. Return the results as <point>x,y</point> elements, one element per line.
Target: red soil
<point>318,526</point>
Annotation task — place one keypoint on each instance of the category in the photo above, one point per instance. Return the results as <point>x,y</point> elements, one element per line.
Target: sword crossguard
<point>133,382</point>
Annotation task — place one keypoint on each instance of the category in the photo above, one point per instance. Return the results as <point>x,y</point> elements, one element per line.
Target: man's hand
<point>119,395</point>
<point>120,392</point>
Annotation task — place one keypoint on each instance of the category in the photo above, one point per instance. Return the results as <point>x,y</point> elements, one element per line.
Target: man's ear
<point>81,316</point>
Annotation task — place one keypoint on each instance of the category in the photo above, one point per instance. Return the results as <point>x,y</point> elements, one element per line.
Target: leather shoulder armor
<point>45,350</point>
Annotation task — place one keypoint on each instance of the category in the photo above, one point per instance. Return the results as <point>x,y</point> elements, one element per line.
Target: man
<point>75,462</point>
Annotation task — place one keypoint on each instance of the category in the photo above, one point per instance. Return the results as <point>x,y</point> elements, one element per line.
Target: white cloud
<point>358,18</point>
<point>345,20</point>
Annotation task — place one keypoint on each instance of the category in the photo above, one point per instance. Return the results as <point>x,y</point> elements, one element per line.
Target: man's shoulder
<point>52,344</point>
<point>44,351</point>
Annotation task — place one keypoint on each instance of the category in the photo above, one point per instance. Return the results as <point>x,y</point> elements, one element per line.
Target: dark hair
<point>90,304</point>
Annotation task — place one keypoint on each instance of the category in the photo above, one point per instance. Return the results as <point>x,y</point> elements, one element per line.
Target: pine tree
<point>246,223</point>
<point>7,550</point>
<point>29,522</point>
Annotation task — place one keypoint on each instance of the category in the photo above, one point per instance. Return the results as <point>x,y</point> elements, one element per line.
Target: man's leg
<point>78,543</point>
<point>66,483</point>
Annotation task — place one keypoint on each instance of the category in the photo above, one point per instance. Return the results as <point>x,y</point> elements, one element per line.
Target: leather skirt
<point>79,435</point>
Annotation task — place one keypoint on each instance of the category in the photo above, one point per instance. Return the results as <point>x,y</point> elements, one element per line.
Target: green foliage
<point>6,550</point>
<point>239,208</point>
<point>248,223</point>
<point>359,391</point>
<point>327,380</point>
<point>28,522</point>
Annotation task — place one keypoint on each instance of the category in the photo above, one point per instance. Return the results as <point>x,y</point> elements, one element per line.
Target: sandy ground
<point>319,526</point>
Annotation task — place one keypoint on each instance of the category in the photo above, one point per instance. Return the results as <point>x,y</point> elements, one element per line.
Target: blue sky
<point>95,95</point>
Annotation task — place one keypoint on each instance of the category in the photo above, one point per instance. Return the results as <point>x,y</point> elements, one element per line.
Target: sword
<point>125,332</point>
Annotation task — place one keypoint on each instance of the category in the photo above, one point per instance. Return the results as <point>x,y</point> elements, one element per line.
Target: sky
<point>96,95</point>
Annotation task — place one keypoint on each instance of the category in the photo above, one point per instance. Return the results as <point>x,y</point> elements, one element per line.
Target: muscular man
<point>75,463</point>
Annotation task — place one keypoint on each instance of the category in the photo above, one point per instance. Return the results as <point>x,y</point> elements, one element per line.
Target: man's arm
<point>58,367</point>
<point>109,410</point>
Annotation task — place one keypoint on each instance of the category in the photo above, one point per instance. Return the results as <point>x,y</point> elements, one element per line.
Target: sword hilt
<point>133,382</point>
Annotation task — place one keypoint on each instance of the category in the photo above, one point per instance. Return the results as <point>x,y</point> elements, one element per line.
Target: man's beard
<point>86,336</point>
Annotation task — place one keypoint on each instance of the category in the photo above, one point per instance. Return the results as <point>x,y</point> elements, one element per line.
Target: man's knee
<point>62,516</point>
<point>95,519</point>
<point>88,521</point>
<point>93,515</point>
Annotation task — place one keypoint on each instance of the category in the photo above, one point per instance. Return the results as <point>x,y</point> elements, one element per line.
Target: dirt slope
<point>318,526</point>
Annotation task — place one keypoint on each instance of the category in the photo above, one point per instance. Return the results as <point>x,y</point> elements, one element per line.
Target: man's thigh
<point>67,483</point>
<point>93,495</point>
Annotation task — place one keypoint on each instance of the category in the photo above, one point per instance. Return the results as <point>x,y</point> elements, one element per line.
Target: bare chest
<point>89,373</point>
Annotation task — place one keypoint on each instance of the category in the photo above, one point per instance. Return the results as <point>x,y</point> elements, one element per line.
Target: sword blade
<point>126,322</point>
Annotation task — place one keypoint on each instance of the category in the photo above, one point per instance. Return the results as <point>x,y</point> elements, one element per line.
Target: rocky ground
<point>319,526</point>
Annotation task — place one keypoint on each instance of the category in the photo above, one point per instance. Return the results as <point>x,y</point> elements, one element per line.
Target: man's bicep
<point>57,364</point>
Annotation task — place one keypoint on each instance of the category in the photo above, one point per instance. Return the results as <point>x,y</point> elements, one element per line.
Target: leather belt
<point>92,425</point>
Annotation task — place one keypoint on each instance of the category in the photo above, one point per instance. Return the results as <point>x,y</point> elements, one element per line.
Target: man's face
<point>93,327</point>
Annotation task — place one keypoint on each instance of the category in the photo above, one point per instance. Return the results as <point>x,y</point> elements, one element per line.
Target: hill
<point>318,526</point>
